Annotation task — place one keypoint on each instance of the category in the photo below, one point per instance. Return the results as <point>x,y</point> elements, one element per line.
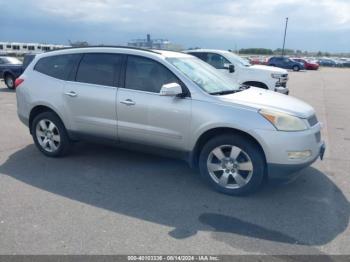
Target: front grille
<point>312,120</point>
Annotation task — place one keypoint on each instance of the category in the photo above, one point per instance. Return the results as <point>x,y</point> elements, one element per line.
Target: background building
<point>11,48</point>
<point>156,43</point>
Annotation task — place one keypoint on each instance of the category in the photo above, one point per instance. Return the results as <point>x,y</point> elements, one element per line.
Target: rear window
<point>59,66</point>
<point>99,69</point>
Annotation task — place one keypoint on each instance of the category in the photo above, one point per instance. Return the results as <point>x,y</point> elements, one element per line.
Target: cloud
<point>196,22</point>
<point>220,15</point>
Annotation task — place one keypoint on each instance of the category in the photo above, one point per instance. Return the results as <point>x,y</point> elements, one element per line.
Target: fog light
<point>299,154</point>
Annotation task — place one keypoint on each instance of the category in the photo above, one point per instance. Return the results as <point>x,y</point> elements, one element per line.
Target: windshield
<point>11,60</point>
<point>203,75</point>
<point>240,60</point>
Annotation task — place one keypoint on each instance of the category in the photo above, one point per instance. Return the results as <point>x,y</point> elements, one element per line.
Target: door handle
<point>71,94</point>
<point>128,102</point>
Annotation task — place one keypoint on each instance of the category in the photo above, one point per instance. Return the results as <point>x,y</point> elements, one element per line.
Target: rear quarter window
<point>59,66</point>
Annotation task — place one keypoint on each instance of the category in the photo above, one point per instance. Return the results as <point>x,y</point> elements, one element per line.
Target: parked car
<point>308,64</point>
<point>346,62</point>
<point>286,63</point>
<point>327,62</point>
<point>242,72</point>
<point>11,68</point>
<point>258,60</point>
<point>169,101</point>
<point>28,58</point>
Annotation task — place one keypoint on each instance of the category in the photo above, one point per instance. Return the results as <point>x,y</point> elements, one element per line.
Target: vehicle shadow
<point>6,90</point>
<point>311,211</point>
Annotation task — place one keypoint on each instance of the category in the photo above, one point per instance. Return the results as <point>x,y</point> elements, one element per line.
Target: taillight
<point>18,82</point>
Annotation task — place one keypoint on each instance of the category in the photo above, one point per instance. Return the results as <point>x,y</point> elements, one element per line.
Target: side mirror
<point>171,89</point>
<point>231,68</point>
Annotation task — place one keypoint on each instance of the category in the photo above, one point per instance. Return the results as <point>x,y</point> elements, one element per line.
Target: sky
<point>226,24</point>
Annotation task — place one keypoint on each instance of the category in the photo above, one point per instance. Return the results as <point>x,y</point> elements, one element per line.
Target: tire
<point>50,135</point>
<point>296,68</point>
<point>225,171</point>
<point>10,81</point>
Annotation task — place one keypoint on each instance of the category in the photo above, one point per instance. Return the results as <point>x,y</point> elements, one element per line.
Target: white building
<point>25,48</point>
<point>153,43</point>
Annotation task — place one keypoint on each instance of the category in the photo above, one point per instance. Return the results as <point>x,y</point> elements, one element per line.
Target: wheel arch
<point>207,135</point>
<point>7,72</point>
<point>258,84</point>
<point>36,110</point>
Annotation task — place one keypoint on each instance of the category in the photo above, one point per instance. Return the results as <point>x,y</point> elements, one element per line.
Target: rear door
<point>146,117</point>
<point>90,98</point>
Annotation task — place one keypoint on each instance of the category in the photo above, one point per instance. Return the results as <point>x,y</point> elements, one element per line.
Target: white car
<point>242,72</point>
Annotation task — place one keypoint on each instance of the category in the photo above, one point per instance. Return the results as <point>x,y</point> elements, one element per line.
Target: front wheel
<point>232,164</point>
<point>10,81</point>
<point>296,68</point>
<point>50,135</point>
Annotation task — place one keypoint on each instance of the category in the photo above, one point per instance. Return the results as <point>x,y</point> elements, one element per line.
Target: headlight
<point>276,75</point>
<point>284,122</point>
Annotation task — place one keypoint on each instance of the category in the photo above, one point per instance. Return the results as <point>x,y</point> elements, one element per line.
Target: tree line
<point>278,51</point>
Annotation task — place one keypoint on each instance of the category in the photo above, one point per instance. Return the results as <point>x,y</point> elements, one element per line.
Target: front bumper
<point>278,145</point>
<point>286,172</point>
<point>281,85</point>
<point>282,90</point>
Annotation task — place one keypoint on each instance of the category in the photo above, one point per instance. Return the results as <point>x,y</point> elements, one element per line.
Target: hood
<point>271,69</point>
<point>260,98</point>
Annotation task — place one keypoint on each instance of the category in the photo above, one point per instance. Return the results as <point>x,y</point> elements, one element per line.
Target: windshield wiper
<point>226,92</point>
<point>243,87</point>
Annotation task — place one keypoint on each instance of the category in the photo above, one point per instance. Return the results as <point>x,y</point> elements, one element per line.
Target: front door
<point>222,64</point>
<point>146,117</point>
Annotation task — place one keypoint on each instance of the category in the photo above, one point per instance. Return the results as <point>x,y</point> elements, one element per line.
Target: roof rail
<point>107,46</point>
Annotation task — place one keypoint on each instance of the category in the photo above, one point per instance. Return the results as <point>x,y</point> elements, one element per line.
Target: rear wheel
<point>10,81</point>
<point>232,164</point>
<point>50,135</point>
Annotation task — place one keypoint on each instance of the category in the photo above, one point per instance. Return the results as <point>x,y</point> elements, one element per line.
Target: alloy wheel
<point>48,135</point>
<point>229,166</point>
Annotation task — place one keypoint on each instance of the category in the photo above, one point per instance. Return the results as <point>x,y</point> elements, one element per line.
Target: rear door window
<point>59,66</point>
<point>100,69</point>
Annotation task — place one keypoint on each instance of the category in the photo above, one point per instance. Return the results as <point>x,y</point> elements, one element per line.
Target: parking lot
<point>104,200</point>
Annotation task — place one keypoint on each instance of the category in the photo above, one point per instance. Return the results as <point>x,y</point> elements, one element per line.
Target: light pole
<point>284,38</point>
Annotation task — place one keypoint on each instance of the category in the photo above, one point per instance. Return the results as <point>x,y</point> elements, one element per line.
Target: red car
<point>309,65</point>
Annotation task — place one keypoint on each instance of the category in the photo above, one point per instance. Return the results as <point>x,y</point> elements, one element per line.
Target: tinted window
<point>59,66</point>
<point>99,69</point>
<point>147,75</point>
<point>217,61</point>
<point>27,60</point>
<point>202,56</point>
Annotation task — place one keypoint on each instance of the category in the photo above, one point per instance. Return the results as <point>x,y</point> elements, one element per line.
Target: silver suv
<point>169,101</point>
